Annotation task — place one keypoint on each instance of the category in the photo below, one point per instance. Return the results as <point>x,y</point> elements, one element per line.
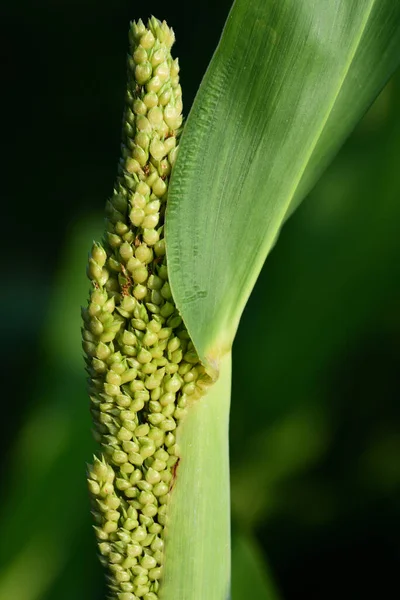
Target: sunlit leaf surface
<point>286,85</point>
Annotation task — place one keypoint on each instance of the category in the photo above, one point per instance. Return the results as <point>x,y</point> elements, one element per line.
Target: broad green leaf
<point>287,83</point>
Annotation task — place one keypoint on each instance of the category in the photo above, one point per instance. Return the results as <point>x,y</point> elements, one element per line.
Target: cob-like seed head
<point>143,369</point>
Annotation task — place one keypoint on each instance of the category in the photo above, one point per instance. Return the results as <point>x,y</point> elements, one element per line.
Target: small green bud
<point>94,487</point>
<point>139,107</point>
<point>146,498</point>
<point>123,400</point>
<point>126,596</point>
<point>157,544</point>
<point>143,253</point>
<point>105,548</point>
<point>160,489</point>
<point>143,124</point>
<point>189,388</point>
<point>151,236</point>
<point>155,117</point>
<point>128,376</point>
<point>148,562</point>
<point>156,297</point>
<point>155,529</point>
<point>126,251</point>
<point>112,515</point>
<point>132,165</point>
<point>154,85</point>
<point>114,378</point>
<point>142,430</point>
<point>99,255</point>
<point>136,216</point>
<point>124,434</point>
<point>162,71</point>
<point>166,291</point>
<point>167,425</point>
<point>111,389</point>
<point>145,486</point>
<point>94,271</point>
<point>140,55</point>
<point>159,247</point>
<point>168,410</point>
<point>110,527</point>
<point>143,72</point>
<point>139,534</point>
<point>150,221</point>
<point>133,263</point>
<point>147,448</point>
<point>158,57</point>
<point>150,511</point>
<point>140,155</point>
<point>112,502</point>
<point>147,40</point>
<point>135,458</point>
<point>159,187</point>
<point>174,384</point>
<point>166,476</point>
<point>136,31</point>
<point>134,550</point>
<point>119,457</point>
<point>121,576</point>
<point>169,441</point>
<point>153,476</point>
<point>167,310</point>
<point>163,272</point>
<point>139,401</point>
<point>144,356</point>
<point>142,590</point>
<point>140,274</point>
<point>156,418</point>
<point>167,398</point>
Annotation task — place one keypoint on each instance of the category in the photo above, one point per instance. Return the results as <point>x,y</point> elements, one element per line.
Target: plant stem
<point>197,556</point>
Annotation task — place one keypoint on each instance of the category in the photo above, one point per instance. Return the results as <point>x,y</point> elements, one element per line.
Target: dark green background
<point>315,438</point>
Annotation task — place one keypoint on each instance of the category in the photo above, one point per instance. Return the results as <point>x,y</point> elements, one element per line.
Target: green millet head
<point>143,369</point>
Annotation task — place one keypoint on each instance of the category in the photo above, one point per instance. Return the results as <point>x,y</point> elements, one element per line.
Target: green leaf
<point>250,575</point>
<point>287,83</point>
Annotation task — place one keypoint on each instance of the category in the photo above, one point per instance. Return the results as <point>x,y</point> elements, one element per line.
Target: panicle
<point>143,369</point>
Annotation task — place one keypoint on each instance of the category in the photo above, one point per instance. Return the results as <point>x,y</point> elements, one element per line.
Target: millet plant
<point>180,256</point>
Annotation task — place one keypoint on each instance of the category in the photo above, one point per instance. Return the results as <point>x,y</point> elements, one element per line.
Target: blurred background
<point>315,436</point>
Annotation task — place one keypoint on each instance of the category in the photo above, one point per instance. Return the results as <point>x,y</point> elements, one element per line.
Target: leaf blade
<point>258,135</point>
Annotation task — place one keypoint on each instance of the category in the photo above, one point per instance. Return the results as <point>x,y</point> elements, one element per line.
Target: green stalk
<point>197,563</point>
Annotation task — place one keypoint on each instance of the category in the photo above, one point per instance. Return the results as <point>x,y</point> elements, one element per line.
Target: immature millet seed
<point>143,369</point>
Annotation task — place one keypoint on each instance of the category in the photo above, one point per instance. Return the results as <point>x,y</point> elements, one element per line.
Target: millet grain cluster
<point>143,369</point>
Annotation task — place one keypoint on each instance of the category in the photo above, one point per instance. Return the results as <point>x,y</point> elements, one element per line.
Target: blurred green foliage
<point>315,418</point>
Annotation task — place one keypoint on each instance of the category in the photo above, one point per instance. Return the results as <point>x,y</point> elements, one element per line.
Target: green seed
<point>144,356</point>
<point>142,430</point>
<point>155,574</point>
<point>135,458</point>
